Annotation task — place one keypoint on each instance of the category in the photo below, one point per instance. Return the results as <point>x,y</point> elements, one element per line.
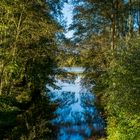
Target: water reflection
<point>77,116</point>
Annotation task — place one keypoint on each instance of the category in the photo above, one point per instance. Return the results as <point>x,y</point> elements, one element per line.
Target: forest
<point>34,48</point>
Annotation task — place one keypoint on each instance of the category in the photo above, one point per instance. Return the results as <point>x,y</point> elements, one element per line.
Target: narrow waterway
<point>77,117</point>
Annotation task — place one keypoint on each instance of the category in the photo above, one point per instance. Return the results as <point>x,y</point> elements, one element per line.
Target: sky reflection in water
<point>77,115</point>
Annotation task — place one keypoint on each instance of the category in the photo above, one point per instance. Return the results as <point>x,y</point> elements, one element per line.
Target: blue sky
<point>67,11</point>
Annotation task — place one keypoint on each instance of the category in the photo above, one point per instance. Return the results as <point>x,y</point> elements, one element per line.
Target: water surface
<point>77,117</point>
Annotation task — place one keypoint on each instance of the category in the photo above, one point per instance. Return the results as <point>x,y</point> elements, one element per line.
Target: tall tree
<point>104,30</point>
<point>27,55</point>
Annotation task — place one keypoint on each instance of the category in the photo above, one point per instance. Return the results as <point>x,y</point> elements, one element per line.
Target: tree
<point>104,30</point>
<point>27,52</point>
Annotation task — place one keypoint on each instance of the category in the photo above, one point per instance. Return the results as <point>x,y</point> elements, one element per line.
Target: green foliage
<point>110,54</point>
<point>117,88</point>
<point>123,93</point>
<point>29,35</point>
<point>27,63</point>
